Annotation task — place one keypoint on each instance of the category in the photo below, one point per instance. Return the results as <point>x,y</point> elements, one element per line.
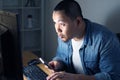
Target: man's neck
<point>81,32</point>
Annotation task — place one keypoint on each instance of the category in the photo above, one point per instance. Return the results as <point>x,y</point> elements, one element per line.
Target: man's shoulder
<point>99,32</point>
<point>98,29</point>
<point>96,26</point>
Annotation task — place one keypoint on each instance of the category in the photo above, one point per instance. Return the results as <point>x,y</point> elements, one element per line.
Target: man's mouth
<point>60,35</point>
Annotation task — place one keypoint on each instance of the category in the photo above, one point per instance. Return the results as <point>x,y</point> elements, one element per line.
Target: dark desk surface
<point>27,56</point>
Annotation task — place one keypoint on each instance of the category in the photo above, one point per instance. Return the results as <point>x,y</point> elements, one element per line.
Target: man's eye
<point>62,24</point>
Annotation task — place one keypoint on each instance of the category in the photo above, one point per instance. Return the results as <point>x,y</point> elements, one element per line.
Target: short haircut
<point>71,8</point>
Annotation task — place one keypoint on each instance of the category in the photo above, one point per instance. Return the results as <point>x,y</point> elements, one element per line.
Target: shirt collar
<point>88,33</point>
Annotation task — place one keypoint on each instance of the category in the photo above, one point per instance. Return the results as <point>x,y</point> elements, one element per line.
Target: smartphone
<point>42,61</point>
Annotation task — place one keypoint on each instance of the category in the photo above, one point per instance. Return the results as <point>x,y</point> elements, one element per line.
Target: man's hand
<point>69,76</point>
<point>62,76</point>
<point>56,65</point>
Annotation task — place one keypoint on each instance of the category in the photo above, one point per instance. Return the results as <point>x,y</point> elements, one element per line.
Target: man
<point>86,50</point>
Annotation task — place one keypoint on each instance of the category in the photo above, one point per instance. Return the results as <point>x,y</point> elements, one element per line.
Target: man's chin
<point>64,39</point>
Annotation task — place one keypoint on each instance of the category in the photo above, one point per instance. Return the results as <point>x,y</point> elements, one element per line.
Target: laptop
<point>11,59</point>
<point>35,70</point>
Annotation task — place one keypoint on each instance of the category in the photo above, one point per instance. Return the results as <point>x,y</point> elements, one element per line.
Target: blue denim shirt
<point>100,53</point>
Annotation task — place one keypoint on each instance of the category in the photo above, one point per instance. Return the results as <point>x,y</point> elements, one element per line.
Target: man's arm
<point>69,76</point>
<point>83,77</point>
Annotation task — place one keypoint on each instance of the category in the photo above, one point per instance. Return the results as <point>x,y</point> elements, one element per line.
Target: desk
<point>27,56</point>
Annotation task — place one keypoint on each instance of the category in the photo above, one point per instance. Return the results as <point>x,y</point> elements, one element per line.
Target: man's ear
<point>78,20</point>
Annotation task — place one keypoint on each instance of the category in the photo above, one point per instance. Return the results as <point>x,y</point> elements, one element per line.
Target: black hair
<point>71,8</point>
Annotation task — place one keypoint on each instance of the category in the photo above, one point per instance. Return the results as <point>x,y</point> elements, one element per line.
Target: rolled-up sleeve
<point>102,76</point>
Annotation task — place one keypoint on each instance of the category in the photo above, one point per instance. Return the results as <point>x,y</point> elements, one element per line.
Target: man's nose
<point>58,29</point>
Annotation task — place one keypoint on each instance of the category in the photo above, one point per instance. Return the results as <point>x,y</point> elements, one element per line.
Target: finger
<point>52,65</point>
<point>55,76</point>
<point>52,76</point>
<point>46,66</point>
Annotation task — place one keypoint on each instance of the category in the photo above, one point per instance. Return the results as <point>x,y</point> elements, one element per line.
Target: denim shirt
<point>100,53</point>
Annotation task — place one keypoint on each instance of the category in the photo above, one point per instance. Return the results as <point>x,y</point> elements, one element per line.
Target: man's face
<point>64,26</point>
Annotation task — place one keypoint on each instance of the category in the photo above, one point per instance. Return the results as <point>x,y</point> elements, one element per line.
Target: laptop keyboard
<point>33,72</point>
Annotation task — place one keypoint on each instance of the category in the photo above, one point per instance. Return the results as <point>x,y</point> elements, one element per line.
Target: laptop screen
<point>10,52</point>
